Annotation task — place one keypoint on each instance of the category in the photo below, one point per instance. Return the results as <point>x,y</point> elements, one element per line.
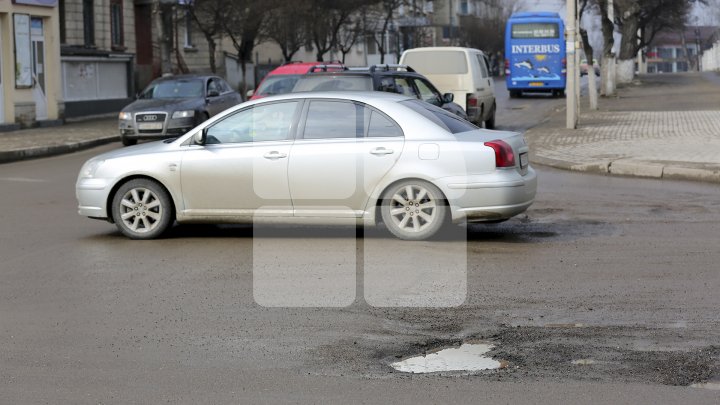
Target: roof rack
<point>388,67</point>
<point>324,68</point>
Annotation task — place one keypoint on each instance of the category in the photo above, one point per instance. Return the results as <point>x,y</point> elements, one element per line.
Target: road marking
<point>22,180</point>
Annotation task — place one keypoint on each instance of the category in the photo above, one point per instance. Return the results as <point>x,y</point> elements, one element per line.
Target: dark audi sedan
<point>172,105</point>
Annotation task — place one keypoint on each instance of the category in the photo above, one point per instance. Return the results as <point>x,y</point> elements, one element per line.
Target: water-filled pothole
<point>467,357</point>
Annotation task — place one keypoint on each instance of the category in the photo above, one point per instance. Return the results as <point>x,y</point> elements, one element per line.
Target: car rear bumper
<point>493,197</point>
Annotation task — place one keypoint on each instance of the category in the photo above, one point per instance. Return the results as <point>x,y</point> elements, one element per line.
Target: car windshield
<point>442,118</point>
<point>277,84</point>
<point>182,88</point>
<point>334,83</point>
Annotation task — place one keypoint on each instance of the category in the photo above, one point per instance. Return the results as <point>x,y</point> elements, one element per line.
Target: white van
<point>462,71</point>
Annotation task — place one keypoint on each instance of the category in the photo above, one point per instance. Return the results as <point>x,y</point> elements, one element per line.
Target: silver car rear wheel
<point>414,210</point>
<point>141,209</point>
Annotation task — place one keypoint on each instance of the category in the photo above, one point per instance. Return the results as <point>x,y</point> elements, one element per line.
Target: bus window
<point>535,30</point>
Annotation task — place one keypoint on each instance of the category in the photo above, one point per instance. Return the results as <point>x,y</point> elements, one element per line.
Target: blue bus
<point>535,58</point>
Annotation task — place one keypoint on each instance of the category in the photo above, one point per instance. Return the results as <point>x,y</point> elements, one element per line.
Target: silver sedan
<point>315,158</point>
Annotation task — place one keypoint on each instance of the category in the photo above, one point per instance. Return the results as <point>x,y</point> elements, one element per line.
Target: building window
<point>188,30</point>
<point>464,8</point>
<point>88,23</point>
<point>116,24</point>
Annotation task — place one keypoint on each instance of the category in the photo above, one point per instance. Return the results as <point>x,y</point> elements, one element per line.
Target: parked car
<point>399,79</point>
<point>170,106</point>
<point>462,71</point>
<point>584,67</point>
<point>370,157</point>
<point>282,79</point>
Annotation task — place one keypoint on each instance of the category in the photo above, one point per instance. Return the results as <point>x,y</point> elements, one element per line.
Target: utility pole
<point>572,74</point>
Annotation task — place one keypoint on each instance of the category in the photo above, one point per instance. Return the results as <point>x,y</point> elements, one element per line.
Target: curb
<point>47,151</point>
<point>625,168</point>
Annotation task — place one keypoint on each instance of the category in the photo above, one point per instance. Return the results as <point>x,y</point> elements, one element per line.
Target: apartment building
<point>30,85</point>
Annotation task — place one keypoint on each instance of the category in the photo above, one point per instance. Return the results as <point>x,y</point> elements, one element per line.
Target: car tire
<point>427,216</point>
<point>490,122</point>
<point>142,209</point>
<point>127,141</point>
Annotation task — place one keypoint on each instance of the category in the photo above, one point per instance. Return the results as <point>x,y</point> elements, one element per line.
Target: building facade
<point>30,83</point>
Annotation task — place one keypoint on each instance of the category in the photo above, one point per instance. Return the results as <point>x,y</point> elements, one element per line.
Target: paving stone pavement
<point>677,143</point>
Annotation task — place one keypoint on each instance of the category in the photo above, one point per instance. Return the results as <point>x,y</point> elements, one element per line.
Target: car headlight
<point>90,168</point>
<point>126,116</point>
<point>183,114</point>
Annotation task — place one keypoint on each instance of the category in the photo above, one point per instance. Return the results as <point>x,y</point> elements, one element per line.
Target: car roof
<point>299,67</point>
<point>442,48</point>
<point>184,77</point>
<point>367,97</point>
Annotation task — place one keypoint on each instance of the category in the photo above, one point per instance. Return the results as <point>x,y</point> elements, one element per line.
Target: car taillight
<point>504,155</point>
<point>471,100</point>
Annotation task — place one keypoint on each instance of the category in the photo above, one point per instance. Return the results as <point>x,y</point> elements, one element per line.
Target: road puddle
<point>467,357</point>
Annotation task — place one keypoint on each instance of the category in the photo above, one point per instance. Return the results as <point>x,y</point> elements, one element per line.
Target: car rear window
<point>442,118</point>
<point>278,84</point>
<point>437,62</point>
<point>333,83</point>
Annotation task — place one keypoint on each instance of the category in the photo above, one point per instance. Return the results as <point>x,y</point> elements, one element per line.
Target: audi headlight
<point>183,114</point>
<point>125,116</point>
<point>90,168</point>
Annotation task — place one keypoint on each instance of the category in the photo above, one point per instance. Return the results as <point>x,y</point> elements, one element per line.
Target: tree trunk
<point>592,83</point>
<point>608,60</point>
<point>166,37</point>
<point>212,46</point>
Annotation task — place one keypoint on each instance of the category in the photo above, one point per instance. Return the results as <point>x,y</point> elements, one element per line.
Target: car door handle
<point>274,155</point>
<point>382,151</point>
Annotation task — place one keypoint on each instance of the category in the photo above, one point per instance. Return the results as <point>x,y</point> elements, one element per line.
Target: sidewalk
<point>661,126</point>
<point>43,142</point>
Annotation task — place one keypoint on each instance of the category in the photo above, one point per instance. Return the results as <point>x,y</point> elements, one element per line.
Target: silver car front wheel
<point>142,209</point>
<point>414,210</point>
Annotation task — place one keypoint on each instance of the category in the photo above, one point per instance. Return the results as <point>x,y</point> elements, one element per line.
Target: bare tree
<point>208,17</point>
<point>242,23</point>
<point>378,18</point>
<point>586,5</point>
<point>640,21</point>
<point>327,17</point>
<point>349,35</point>
<point>286,26</point>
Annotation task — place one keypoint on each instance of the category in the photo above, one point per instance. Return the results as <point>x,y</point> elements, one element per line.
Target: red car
<point>282,79</point>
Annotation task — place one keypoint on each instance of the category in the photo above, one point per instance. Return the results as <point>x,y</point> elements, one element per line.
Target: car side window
<point>483,66</point>
<point>212,86</point>
<point>333,119</point>
<point>260,123</point>
<point>427,93</point>
<point>223,86</point>
<point>404,87</point>
<point>381,126</point>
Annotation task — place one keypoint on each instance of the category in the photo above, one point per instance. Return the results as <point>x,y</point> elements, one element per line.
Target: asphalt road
<point>620,273</point>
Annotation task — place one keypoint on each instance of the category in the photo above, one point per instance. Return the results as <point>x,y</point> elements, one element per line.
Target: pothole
<point>467,357</point>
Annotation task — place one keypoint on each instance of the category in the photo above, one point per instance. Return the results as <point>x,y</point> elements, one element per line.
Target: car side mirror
<point>200,137</point>
<point>213,93</point>
<point>448,98</point>
<point>250,93</point>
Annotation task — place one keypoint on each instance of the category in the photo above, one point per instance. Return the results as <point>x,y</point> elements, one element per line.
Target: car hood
<point>141,149</point>
<point>164,104</point>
